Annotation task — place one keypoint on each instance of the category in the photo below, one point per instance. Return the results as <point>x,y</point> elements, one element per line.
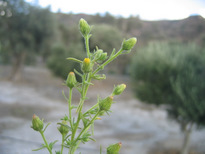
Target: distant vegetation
<point>38,32</point>
<point>172,74</point>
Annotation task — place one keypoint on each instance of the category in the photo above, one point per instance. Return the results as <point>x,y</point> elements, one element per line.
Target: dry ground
<point>141,128</point>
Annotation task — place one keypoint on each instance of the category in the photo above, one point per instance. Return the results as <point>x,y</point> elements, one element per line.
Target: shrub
<point>172,74</point>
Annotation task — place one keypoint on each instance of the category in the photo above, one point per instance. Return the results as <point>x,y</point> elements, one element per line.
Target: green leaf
<point>65,118</point>
<point>43,146</point>
<point>65,126</point>
<point>78,73</point>
<point>113,53</point>
<point>52,143</point>
<point>46,126</point>
<point>64,95</point>
<point>74,59</point>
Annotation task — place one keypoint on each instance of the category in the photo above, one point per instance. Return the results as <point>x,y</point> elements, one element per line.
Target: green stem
<point>70,107</point>
<point>108,61</point>
<point>45,141</point>
<point>88,126</point>
<point>87,45</point>
<point>63,137</point>
<point>83,96</point>
<point>85,129</point>
<point>93,107</point>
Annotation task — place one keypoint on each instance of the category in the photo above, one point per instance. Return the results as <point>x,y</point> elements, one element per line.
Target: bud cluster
<point>100,56</point>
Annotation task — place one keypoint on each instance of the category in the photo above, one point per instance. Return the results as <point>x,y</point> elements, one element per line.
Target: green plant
<point>173,74</point>
<point>72,132</point>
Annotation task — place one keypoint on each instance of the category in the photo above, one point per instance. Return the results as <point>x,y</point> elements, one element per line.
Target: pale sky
<point>146,9</point>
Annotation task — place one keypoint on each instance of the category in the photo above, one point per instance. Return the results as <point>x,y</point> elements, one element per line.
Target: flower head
<point>37,124</point>
<point>84,27</point>
<point>114,148</point>
<point>119,89</point>
<point>71,80</point>
<point>129,44</point>
<point>105,104</point>
<point>86,66</point>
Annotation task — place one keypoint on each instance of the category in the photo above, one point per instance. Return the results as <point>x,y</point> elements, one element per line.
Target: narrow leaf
<point>74,59</point>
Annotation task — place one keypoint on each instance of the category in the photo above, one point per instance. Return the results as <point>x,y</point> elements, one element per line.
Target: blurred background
<point>162,110</point>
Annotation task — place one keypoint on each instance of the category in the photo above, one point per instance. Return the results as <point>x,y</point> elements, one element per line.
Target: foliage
<point>172,74</point>
<point>113,37</point>
<point>57,60</point>
<point>76,129</point>
<point>25,30</point>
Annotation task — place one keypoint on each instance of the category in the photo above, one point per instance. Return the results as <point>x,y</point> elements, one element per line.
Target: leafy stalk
<point>45,141</point>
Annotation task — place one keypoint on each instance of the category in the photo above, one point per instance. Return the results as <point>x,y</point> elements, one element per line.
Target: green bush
<point>58,63</point>
<point>172,74</point>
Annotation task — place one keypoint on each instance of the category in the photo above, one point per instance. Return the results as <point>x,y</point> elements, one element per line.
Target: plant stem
<point>70,107</point>
<point>88,126</point>
<point>45,141</point>
<point>85,129</point>
<point>85,86</point>
<point>93,107</point>
<point>108,61</point>
<point>87,45</point>
<point>63,137</point>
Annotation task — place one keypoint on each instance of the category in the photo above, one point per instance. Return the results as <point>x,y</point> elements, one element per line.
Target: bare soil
<point>142,128</point>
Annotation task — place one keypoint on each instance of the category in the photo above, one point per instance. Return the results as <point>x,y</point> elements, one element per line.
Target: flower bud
<point>71,80</point>
<point>37,124</point>
<point>129,44</point>
<point>114,148</point>
<point>100,56</point>
<point>105,104</point>
<point>84,27</point>
<point>86,66</point>
<point>63,129</point>
<point>119,89</point>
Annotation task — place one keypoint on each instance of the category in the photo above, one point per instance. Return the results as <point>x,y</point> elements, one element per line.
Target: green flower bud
<point>84,27</point>
<point>37,124</point>
<point>114,148</point>
<point>98,53</point>
<point>105,104</point>
<point>129,44</point>
<point>63,129</point>
<point>86,66</point>
<point>119,89</point>
<point>100,56</point>
<point>71,80</point>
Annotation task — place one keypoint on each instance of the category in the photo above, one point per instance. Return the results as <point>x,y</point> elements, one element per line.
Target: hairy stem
<point>45,141</point>
<point>70,107</point>
<point>85,129</point>
<point>63,137</point>
<point>87,45</point>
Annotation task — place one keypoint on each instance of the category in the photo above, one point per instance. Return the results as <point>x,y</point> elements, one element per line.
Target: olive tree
<point>25,29</point>
<point>173,74</point>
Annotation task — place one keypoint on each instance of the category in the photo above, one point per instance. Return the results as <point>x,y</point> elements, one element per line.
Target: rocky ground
<point>141,128</point>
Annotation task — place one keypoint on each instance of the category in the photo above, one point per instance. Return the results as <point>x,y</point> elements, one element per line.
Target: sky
<point>145,9</point>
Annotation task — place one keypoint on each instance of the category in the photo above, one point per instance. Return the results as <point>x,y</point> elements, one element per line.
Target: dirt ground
<point>142,129</point>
